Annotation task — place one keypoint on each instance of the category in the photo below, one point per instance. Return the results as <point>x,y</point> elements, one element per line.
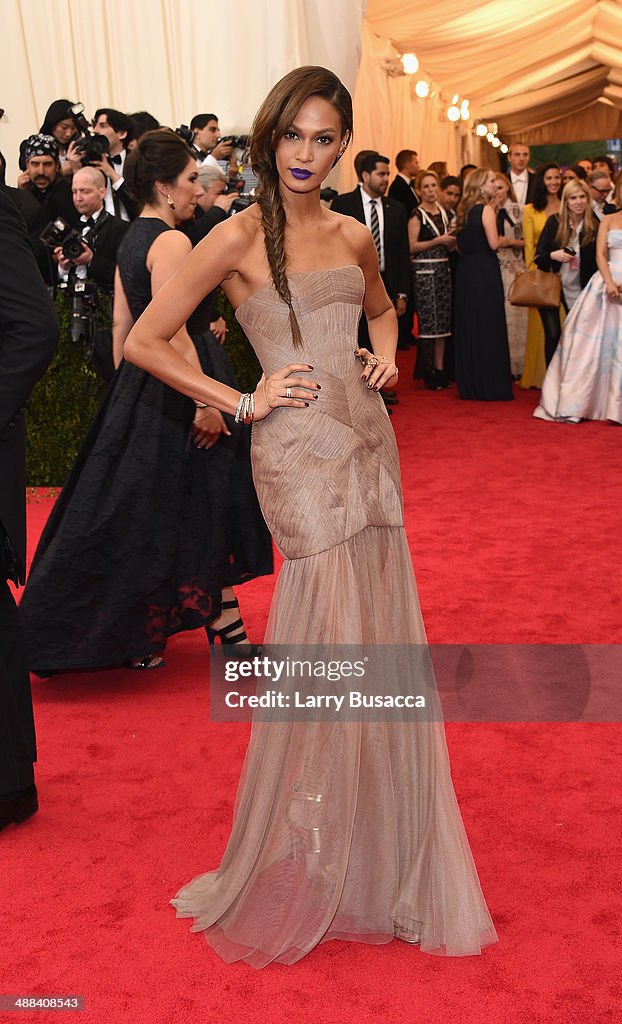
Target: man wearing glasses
<point>600,187</point>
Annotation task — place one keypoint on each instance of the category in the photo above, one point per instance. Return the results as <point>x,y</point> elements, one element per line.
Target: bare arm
<point>381,318</point>
<point>529,235</point>
<point>122,321</point>
<point>613,290</point>
<point>489,224</point>
<point>209,264</point>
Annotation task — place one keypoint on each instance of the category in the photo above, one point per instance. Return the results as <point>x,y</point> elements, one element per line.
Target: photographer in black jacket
<point>101,233</point>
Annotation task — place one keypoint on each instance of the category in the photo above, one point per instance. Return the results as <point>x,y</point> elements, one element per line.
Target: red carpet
<point>514,526</point>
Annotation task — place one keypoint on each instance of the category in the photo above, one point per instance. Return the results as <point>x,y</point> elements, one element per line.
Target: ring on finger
<point>288,392</point>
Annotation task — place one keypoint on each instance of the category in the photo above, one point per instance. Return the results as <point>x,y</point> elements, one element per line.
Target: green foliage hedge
<point>65,401</point>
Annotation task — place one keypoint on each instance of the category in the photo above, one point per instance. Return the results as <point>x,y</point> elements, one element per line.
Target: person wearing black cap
<point>43,180</point>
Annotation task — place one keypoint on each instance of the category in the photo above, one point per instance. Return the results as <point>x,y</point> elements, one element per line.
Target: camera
<point>185,133</point>
<point>59,233</point>
<point>96,340</point>
<point>243,185</point>
<point>76,112</point>
<point>91,147</point>
<point>237,141</point>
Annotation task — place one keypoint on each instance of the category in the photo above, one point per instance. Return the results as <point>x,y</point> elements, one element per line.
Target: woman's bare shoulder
<point>354,233</point>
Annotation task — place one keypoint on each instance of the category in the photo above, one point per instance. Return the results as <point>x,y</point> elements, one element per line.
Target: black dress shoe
<point>19,807</point>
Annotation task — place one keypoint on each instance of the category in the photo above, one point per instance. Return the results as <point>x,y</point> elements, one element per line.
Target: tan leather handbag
<point>540,288</point>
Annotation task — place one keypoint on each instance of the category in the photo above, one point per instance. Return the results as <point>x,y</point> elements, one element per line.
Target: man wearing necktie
<point>519,174</point>
<point>101,232</point>
<point>115,126</point>
<point>386,219</point>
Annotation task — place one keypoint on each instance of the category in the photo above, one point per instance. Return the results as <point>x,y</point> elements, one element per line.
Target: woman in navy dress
<point>481,340</point>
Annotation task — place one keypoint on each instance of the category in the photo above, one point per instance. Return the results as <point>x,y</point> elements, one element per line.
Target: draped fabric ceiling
<point>544,70</point>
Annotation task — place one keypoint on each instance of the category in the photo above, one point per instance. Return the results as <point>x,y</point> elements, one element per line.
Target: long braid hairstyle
<point>273,119</point>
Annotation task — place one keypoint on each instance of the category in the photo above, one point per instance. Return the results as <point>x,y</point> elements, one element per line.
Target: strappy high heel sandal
<point>232,635</point>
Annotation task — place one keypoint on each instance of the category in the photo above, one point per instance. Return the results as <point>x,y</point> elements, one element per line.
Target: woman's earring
<point>169,200</point>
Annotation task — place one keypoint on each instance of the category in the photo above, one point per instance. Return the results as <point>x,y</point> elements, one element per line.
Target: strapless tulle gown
<point>342,830</point>
<point>584,378</point>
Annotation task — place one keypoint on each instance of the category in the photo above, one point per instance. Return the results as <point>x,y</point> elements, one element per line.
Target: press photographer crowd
<point>483,267</point>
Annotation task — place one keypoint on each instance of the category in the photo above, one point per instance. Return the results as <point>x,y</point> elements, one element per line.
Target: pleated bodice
<point>338,457</point>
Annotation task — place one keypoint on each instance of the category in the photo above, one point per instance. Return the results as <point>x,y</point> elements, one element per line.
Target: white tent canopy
<point>547,71</point>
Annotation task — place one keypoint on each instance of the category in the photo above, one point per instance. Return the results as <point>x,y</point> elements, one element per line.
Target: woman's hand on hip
<point>285,388</point>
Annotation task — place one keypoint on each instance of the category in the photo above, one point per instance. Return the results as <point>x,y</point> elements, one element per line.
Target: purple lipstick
<point>300,173</point>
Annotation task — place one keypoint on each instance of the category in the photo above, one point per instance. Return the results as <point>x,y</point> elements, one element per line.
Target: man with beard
<point>43,180</point>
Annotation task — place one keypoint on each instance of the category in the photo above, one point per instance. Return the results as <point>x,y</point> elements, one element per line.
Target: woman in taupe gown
<point>342,829</point>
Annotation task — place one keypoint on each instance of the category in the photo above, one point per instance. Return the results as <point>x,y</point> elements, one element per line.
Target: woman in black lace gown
<point>430,244</point>
<point>150,530</point>
<point>481,339</point>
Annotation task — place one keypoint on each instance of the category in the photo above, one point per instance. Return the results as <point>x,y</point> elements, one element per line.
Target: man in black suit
<point>392,232</point>
<point>43,182</point>
<point>386,219</point>
<point>28,339</point>
<point>402,187</point>
<point>102,233</point>
<point>522,179</point>
<point>207,144</point>
<point>116,127</point>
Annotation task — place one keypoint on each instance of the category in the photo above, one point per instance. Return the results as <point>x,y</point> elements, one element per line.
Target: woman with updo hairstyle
<point>158,519</point>
<point>480,333</point>
<point>545,202</point>
<point>343,828</point>
<point>430,242</point>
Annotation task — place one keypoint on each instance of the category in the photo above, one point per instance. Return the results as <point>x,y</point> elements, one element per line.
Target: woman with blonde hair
<point>480,334</point>
<point>584,379</point>
<point>567,246</point>
<point>512,262</point>
<point>430,243</point>
<point>343,828</point>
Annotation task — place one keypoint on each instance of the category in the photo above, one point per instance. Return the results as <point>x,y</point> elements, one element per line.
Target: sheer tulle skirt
<point>351,829</point>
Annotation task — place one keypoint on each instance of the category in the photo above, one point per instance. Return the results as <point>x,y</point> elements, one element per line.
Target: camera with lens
<point>90,147</point>
<point>243,185</point>
<point>186,134</point>
<point>237,141</point>
<point>59,233</point>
